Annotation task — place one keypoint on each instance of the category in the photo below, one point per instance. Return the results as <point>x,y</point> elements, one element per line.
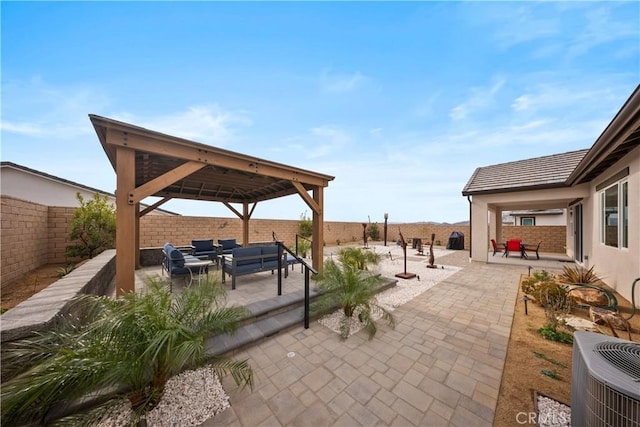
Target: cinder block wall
<point>24,239</point>
<point>34,235</point>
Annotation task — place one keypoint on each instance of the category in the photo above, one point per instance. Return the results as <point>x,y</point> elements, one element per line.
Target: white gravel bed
<point>189,399</point>
<point>405,290</point>
<point>552,413</point>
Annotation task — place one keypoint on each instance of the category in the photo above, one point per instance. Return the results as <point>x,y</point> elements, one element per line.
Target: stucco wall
<point>619,267</point>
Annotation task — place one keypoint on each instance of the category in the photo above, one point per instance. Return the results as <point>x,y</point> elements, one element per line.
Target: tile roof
<point>537,173</point>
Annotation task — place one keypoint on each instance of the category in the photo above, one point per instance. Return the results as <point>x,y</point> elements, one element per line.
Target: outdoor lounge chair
<point>204,248</point>
<point>227,245</point>
<point>177,264</point>
<point>497,247</point>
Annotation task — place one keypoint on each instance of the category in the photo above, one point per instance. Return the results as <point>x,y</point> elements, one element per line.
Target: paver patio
<point>442,364</point>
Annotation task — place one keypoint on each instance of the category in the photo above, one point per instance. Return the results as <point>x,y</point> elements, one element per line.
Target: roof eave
<point>623,124</point>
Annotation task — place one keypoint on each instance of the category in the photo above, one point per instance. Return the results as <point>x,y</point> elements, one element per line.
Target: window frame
<point>614,216</point>
<point>524,219</point>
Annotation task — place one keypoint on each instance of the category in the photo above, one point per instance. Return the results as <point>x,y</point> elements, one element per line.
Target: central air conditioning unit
<point>605,381</point>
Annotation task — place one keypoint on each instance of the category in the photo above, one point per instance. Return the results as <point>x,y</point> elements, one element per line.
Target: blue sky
<point>400,101</point>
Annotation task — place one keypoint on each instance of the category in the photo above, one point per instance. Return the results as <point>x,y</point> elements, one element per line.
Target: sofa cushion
<point>270,253</point>
<point>177,258</point>
<point>247,252</point>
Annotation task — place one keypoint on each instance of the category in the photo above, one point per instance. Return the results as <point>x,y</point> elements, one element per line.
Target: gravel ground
<point>189,399</point>
<point>552,413</point>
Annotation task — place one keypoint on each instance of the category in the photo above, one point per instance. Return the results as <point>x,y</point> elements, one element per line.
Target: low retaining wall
<point>45,309</point>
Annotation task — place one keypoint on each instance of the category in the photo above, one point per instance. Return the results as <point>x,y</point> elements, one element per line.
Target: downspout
<point>470,229</point>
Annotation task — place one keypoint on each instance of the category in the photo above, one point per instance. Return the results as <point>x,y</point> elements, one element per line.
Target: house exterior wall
<point>48,191</point>
<point>547,219</point>
<point>38,189</point>
<point>619,267</point>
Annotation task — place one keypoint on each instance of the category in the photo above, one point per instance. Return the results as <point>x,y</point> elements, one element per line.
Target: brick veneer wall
<point>35,235</point>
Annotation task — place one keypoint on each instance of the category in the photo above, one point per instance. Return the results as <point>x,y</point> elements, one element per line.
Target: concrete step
<point>268,317</point>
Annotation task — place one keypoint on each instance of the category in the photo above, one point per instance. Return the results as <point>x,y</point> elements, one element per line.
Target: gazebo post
<point>125,222</point>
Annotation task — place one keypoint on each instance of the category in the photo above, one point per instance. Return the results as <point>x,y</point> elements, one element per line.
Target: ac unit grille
<point>622,355</point>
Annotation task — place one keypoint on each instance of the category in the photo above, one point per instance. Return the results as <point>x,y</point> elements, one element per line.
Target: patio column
<point>125,221</point>
<point>480,236</point>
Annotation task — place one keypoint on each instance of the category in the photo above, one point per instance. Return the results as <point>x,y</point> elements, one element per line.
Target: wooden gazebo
<point>149,163</point>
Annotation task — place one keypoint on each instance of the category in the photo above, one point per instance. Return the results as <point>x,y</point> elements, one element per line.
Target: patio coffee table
<point>201,265</point>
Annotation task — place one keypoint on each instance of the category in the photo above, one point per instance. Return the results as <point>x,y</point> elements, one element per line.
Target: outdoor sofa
<point>253,259</point>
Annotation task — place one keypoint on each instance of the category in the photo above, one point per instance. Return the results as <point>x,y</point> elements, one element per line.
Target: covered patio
<point>149,163</point>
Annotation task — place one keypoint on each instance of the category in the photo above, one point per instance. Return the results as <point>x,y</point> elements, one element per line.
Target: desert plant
<point>306,225</point>
<point>353,292</point>
<point>93,227</point>
<point>135,343</point>
<point>63,271</point>
<point>577,274</point>
<point>543,287</point>
<point>358,258</point>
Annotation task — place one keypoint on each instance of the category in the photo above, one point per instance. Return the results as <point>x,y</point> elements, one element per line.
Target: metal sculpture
<point>431,257</point>
<point>364,235</point>
<point>404,275</point>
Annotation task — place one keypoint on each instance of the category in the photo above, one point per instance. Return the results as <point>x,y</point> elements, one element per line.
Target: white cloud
<point>601,28</point>
<point>328,140</point>
<point>341,83</point>
<point>42,110</point>
<point>480,98</point>
<point>208,124</point>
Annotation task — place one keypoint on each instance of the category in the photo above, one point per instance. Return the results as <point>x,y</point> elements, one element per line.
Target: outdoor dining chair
<point>531,248</point>
<point>497,246</point>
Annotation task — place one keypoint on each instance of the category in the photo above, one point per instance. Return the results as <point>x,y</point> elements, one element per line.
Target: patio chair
<point>204,248</point>
<point>497,246</point>
<point>513,245</point>
<point>176,264</point>
<point>526,249</point>
<point>227,245</point>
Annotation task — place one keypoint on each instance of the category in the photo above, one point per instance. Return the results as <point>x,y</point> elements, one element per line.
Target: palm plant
<point>131,345</point>
<point>353,291</point>
<point>358,258</point>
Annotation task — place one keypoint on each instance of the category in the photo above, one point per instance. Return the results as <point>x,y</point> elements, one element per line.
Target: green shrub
<point>306,225</point>
<point>373,231</point>
<point>93,227</point>
<point>550,332</point>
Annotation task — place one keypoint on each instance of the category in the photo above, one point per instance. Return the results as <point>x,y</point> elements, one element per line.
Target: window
<point>614,212</point>
<point>527,220</point>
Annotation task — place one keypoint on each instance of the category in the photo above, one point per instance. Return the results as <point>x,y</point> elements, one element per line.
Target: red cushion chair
<point>513,245</point>
<point>497,246</point>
